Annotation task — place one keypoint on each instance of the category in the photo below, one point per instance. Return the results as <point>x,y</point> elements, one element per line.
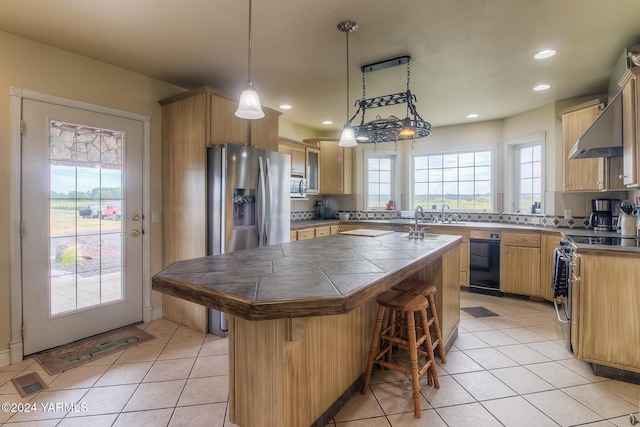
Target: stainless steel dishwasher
<point>484,262</point>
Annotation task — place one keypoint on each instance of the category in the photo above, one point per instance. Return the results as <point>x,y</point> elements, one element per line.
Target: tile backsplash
<point>504,218</point>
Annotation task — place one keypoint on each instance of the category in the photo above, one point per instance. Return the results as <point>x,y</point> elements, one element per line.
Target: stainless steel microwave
<point>298,187</point>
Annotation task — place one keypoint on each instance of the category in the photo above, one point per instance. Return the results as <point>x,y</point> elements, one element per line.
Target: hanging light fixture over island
<point>249,105</point>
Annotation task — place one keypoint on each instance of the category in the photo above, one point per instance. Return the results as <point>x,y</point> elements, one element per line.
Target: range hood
<point>604,136</point>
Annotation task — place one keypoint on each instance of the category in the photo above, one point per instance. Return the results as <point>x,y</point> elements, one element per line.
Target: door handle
<point>135,217</point>
<point>134,233</point>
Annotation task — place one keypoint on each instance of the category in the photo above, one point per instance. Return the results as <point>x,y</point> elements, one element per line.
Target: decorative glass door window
<point>85,217</point>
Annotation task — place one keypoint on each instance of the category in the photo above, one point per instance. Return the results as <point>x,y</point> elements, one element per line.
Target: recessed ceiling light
<point>541,87</point>
<point>327,122</point>
<point>472,116</point>
<point>544,54</point>
<point>285,107</point>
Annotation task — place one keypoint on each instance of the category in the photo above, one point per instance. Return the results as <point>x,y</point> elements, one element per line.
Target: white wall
<point>40,68</point>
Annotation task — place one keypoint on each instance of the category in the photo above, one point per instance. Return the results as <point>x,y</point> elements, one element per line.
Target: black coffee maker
<point>601,218</point>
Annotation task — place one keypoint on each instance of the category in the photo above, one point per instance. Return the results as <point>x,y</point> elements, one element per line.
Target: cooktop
<point>607,241</point>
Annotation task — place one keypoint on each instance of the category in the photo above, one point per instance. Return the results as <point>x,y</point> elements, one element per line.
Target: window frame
<point>513,171</point>
<point>493,149</point>
<point>395,182</point>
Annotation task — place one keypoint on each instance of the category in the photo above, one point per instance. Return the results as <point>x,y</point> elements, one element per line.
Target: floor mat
<point>479,312</point>
<point>80,352</point>
<point>29,384</point>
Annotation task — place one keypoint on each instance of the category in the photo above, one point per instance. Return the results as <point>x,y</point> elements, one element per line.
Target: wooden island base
<point>294,372</point>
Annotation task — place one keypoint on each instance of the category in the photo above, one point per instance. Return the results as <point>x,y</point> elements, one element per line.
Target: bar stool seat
<point>403,305</point>
<point>429,290</point>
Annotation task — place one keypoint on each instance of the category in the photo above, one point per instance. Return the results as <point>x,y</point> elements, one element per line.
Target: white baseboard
<point>147,314</point>
<point>157,313</point>
<point>5,358</point>
<point>15,350</point>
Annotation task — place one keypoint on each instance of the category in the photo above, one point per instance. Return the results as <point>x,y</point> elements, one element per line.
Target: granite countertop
<point>322,276</point>
<point>295,225</point>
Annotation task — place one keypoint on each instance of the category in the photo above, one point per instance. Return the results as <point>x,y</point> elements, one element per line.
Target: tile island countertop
<point>301,315</point>
<point>323,276</point>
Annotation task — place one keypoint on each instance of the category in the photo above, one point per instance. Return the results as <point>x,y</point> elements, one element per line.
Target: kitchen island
<point>301,315</point>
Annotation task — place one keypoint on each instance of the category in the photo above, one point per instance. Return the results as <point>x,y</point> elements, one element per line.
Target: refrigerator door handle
<point>267,195</point>
<point>261,203</point>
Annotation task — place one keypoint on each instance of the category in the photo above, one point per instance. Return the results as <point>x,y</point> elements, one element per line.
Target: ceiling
<point>468,56</point>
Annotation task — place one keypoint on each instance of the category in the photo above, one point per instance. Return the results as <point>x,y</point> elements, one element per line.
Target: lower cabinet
<point>307,233</point>
<point>520,263</point>
<point>349,227</point>
<point>464,249</point>
<point>323,231</point>
<point>608,314</point>
<point>312,233</point>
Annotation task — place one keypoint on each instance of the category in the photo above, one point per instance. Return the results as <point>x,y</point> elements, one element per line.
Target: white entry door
<point>81,223</point>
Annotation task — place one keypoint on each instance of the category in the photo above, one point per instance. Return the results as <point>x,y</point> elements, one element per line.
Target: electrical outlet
<point>155,217</point>
<point>535,221</point>
<point>370,215</point>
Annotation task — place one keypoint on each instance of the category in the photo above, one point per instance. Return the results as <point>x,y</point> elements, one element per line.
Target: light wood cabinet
<point>464,249</point>
<point>349,227</point>
<point>263,133</point>
<point>631,127</point>
<point>548,245</point>
<point>609,319</point>
<point>224,126</point>
<point>336,167</point>
<point>334,229</point>
<point>191,122</point>
<point>323,231</point>
<point>313,170</point>
<point>307,233</point>
<point>597,174</point>
<point>520,263</point>
<point>297,153</point>
<point>293,236</point>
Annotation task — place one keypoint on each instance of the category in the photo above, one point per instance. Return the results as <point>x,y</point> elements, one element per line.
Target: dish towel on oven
<point>560,276</point>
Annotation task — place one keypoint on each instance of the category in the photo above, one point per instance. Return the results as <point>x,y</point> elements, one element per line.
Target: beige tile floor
<point>510,370</point>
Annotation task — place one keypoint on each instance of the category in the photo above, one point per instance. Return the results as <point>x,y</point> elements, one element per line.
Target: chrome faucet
<point>415,215</point>
<point>442,219</point>
<point>415,232</point>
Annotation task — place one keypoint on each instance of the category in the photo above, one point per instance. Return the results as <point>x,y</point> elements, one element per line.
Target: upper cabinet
<point>263,133</point>
<point>298,156</point>
<point>336,167</point>
<point>630,126</point>
<point>220,125</point>
<point>597,174</point>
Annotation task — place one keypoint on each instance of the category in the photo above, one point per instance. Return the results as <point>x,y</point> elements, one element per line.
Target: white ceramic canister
<point>627,225</point>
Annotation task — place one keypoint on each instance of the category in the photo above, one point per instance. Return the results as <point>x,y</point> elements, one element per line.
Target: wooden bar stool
<point>406,304</point>
<point>428,290</point>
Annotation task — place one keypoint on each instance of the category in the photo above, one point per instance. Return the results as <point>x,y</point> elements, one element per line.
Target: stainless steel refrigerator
<point>248,204</point>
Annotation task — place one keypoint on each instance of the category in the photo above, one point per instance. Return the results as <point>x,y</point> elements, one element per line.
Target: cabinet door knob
<point>622,176</point>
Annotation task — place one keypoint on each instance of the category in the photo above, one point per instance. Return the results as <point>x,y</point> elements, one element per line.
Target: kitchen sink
<point>426,236</point>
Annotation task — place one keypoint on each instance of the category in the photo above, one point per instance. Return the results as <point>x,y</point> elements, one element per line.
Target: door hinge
<point>22,330</point>
<point>22,126</point>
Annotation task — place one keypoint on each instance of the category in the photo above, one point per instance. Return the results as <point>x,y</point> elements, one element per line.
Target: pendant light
<point>348,137</point>
<point>249,104</point>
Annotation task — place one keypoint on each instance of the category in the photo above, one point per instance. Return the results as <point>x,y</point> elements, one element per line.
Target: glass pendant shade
<point>249,105</point>
<point>347,138</point>
<point>407,130</point>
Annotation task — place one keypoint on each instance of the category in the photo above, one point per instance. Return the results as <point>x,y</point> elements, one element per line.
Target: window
<point>526,173</point>
<point>463,180</point>
<point>380,180</point>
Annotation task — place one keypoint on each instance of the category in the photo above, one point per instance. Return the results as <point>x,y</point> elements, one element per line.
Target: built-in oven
<point>484,262</point>
<point>298,187</point>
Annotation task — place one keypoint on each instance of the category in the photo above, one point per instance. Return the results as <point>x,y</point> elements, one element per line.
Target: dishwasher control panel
<point>484,234</point>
